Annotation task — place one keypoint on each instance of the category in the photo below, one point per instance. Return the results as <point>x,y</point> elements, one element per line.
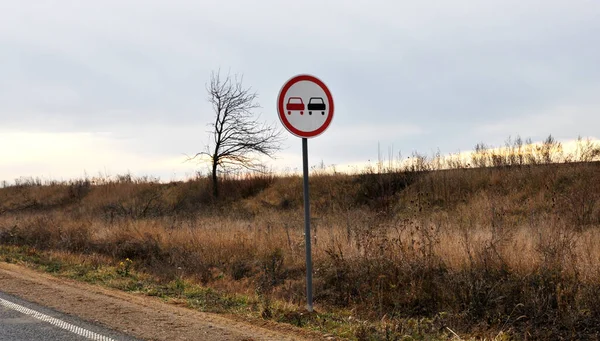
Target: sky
<point>108,87</point>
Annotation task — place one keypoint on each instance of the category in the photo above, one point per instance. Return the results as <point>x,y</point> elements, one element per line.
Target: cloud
<point>564,122</point>
<point>415,75</point>
<point>72,155</point>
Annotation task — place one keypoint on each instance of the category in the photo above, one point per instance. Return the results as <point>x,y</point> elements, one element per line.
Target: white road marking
<point>54,321</point>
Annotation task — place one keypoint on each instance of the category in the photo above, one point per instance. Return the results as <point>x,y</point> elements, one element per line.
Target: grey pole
<point>309,291</point>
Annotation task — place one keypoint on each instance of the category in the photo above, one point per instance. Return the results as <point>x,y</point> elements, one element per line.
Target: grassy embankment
<point>510,249</point>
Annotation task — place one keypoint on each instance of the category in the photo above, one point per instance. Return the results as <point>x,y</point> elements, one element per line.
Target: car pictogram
<point>316,104</point>
<point>295,104</point>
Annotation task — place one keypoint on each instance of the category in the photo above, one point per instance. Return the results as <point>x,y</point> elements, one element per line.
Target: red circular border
<point>281,111</point>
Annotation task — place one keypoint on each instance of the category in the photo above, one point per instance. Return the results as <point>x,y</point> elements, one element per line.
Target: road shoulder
<point>140,316</point>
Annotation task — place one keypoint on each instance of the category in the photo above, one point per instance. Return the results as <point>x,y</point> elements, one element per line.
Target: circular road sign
<point>305,106</point>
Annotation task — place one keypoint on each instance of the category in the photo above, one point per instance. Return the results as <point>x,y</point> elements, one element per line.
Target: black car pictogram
<point>316,104</point>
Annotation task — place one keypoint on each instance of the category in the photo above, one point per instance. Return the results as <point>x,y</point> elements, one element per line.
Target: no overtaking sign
<point>305,106</point>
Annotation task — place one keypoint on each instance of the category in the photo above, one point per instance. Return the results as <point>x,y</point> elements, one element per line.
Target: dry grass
<point>492,252</point>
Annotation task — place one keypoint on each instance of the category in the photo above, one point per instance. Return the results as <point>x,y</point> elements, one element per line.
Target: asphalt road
<point>25,321</point>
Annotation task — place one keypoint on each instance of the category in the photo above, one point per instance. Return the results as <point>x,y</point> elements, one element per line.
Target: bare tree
<point>238,138</point>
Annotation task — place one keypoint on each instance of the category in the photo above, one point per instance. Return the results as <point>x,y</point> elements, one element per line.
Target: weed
<point>124,267</point>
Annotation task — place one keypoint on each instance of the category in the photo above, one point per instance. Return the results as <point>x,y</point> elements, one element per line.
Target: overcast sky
<point>89,87</point>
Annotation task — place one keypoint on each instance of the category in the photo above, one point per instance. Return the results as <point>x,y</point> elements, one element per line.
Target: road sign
<point>305,106</point>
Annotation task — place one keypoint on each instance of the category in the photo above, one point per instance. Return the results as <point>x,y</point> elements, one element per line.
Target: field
<point>506,247</point>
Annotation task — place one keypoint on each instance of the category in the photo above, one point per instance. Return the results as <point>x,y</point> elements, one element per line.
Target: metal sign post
<point>305,108</point>
<point>307,240</point>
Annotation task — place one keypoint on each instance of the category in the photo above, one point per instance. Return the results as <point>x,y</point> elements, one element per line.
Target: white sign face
<point>305,106</point>
<point>309,94</point>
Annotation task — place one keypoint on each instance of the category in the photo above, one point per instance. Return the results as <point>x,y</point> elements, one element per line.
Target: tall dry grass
<point>511,248</point>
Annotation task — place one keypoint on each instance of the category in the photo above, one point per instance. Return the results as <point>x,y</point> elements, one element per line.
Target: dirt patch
<point>140,316</point>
